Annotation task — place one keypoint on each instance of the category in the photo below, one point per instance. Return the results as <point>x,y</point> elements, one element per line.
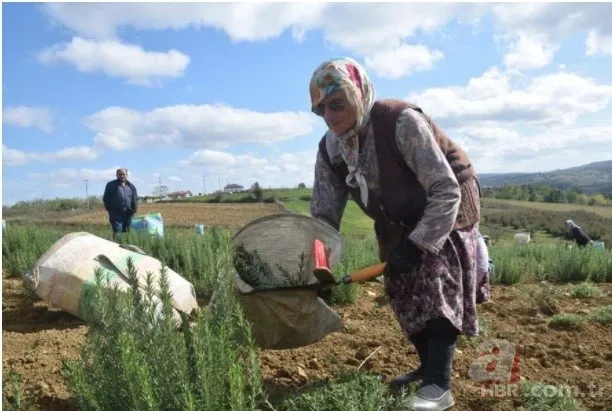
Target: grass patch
<point>485,328</point>
<point>13,397</point>
<point>601,315</point>
<point>537,396</point>
<point>201,259</point>
<point>22,245</point>
<point>566,321</point>
<point>351,392</point>
<point>542,298</point>
<point>358,254</point>
<point>584,291</point>
<point>40,209</point>
<point>549,262</point>
<point>354,221</point>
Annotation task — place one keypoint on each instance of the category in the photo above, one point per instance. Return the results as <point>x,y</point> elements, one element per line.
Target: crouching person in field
<point>420,189</point>
<point>484,269</point>
<point>577,234</point>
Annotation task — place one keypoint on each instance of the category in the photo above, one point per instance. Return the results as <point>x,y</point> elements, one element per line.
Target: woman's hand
<point>405,256</point>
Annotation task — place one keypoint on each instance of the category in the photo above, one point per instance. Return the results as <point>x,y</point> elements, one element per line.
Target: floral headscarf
<point>346,74</point>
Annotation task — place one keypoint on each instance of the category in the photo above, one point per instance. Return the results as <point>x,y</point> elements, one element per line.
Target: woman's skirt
<point>443,286</point>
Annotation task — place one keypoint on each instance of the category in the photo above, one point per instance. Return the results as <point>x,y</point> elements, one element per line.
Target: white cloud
<point>204,126</point>
<point>116,59</point>
<point>243,21</point>
<point>205,158</point>
<point>175,179</point>
<point>24,116</point>
<point>80,153</point>
<point>372,28</point>
<point>285,169</point>
<point>64,178</point>
<point>558,21</point>
<point>361,28</point>
<point>64,182</point>
<point>403,61</point>
<point>529,52</point>
<point>598,44</point>
<point>500,149</point>
<point>12,157</point>
<point>72,175</point>
<point>554,19</point>
<point>366,29</point>
<point>558,97</point>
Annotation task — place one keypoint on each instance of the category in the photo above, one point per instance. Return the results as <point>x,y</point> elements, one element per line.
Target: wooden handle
<point>366,274</point>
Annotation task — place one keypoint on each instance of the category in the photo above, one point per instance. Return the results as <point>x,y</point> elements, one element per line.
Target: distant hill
<point>591,178</point>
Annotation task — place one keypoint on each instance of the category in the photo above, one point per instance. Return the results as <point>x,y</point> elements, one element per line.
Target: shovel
<point>323,273</point>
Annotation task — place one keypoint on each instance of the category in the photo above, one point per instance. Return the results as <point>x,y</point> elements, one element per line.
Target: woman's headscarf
<point>346,74</point>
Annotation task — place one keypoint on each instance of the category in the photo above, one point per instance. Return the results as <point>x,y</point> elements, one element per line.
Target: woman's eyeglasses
<point>334,105</point>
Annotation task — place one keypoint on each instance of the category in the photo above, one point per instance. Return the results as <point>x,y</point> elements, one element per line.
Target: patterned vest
<point>403,200</point>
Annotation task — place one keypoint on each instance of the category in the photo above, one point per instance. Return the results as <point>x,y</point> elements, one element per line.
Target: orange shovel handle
<point>365,274</point>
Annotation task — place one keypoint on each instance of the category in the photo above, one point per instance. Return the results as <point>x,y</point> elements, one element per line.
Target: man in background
<point>121,201</point>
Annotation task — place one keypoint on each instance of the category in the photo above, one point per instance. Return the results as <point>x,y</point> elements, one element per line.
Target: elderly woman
<point>420,189</point>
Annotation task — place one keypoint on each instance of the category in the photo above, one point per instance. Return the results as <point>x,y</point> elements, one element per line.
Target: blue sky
<point>179,92</point>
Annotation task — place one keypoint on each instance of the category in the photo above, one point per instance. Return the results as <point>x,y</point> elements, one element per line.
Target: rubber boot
<point>434,393</point>
<point>419,340</point>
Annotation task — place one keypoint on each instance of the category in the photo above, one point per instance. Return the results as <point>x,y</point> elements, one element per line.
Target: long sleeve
<point>106,196</point>
<point>421,152</point>
<point>134,199</point>
<point>329,194</point>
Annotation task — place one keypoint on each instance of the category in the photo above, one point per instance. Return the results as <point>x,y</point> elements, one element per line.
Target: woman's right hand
<point>404,257</point>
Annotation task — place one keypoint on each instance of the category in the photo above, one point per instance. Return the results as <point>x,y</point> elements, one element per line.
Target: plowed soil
<point>187,214</point>
<point>35,337</point>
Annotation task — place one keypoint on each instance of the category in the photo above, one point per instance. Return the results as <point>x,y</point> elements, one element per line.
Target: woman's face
<point>339,114</point>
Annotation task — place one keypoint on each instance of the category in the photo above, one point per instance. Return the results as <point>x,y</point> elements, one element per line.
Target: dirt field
<point>35,337</point>
<point>188,214</point>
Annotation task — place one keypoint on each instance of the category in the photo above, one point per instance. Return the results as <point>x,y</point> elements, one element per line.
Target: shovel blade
<point>321,268</point>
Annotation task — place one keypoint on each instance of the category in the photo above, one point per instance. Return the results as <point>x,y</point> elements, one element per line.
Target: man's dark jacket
<point>111,197</point>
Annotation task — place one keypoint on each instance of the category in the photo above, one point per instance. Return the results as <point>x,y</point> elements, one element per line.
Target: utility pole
<point>160,189</point>
<point>219,183</point>
<point>87,193</point>
<point>204,185</point>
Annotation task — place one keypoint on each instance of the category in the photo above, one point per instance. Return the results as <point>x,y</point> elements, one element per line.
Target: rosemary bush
<point>135,356</point>
<point>551,262</point>
<point>259,274</point>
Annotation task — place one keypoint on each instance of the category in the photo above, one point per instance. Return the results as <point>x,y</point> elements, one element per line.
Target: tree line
<point>545,193</point>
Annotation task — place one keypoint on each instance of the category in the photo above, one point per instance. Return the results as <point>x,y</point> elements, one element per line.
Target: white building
<point>233,188</point>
